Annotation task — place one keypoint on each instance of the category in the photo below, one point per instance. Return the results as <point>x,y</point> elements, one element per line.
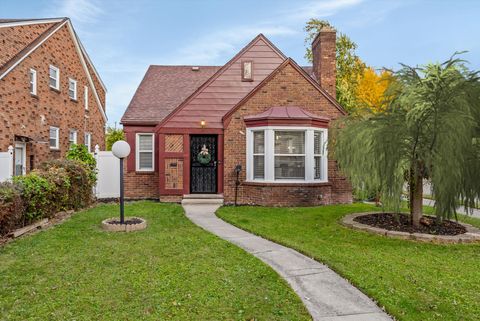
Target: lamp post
<point>121,149</point>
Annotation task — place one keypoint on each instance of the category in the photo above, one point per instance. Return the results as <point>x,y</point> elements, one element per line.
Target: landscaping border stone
<point>108,226</point>
<point>472,234</point>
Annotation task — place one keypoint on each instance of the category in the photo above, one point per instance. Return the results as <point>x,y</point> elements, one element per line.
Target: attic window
<point>247,70</point>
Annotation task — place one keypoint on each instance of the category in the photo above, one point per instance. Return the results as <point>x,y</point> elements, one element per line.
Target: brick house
<point>50,93</point>
<point>260,116</point>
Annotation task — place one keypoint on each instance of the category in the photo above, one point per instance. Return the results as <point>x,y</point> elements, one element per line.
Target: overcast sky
<point>124,37</point>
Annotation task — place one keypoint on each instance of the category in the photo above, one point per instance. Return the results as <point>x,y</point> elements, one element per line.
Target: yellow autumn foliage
<point>370,89</point>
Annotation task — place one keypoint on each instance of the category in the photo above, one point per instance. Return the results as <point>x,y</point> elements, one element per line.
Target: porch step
<point>190,199</point>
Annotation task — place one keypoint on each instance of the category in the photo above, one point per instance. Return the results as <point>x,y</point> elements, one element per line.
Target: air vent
<point>195,68</point>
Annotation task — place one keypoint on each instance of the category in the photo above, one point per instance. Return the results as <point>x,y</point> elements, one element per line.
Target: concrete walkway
<point>327,296</point>
<point>461,210</point>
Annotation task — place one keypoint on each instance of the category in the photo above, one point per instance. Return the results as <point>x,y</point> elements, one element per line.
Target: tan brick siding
<point>31,116</point>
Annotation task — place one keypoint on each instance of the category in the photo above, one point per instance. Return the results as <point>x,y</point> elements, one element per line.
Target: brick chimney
<point>324,59</point>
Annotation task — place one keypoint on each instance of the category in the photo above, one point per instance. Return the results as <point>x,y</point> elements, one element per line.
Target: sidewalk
<point>327,296</point>
<point>461,210</point>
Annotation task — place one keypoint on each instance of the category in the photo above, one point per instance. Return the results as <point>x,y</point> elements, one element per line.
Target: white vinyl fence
<point>108,174</point>
<point>6,164</point>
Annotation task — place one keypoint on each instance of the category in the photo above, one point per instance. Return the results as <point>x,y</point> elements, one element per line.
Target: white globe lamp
<point>121,149</point>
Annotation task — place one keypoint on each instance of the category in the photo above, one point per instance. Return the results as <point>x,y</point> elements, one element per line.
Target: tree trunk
<point>416,196</point>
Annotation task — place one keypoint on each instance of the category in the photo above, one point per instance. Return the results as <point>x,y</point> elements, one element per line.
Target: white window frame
<point>75,138</point>
<point>85,96</point>
<point>87,141</point>
<point>74,82</point>
<point>57,80</point>
<point>33,82</point>
<point>258,154</point>
<point>270,154</point>
<point>57,138</point>
<point>138,151</point>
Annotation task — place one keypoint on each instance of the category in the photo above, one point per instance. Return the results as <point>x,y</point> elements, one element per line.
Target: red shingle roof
<point>164,88</point>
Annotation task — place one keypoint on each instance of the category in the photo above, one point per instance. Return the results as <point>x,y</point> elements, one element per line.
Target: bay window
<point>286,154</point>
<point>289,155</point>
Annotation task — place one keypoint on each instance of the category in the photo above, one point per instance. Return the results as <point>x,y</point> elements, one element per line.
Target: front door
<point>20,159</point>
<point>203,164</point>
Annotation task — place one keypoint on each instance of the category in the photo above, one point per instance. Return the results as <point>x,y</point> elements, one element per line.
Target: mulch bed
<point>130,221</point>
<point>401,222</point>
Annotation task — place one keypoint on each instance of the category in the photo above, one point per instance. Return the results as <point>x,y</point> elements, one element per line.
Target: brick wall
<point>26,115</point>
<point>141,185</point>
<point>324,59</point>
<point>287,88</point>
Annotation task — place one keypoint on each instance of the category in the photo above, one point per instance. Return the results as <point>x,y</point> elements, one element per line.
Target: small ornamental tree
<point>429,130</point>
<point>113,135</point>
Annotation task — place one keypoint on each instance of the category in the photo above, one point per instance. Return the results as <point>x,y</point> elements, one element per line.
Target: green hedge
<point>55,186</point>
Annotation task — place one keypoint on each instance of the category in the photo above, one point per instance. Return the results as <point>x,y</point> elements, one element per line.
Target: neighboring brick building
<point>193,129</point>
<point>50,93</point>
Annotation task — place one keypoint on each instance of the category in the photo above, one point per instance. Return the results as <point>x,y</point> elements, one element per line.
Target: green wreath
<point>204,158</point>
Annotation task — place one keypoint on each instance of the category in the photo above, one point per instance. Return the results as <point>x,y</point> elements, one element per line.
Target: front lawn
<point>414,281</point>
<point>173,270</point>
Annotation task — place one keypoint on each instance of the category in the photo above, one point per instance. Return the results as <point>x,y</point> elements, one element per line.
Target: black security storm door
<point>203,164</point>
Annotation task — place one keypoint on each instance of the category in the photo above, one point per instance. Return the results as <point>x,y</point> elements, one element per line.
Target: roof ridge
<point>25,49</point>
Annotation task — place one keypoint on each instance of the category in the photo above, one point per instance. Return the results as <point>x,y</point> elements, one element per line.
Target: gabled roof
<point>28,48</point>
<point>166,97</point>
<point>303,71</point>
<point>162,89</point>
<point>213,105</point>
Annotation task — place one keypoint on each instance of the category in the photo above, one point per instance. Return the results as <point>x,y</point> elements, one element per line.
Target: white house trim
<point>82,60</point>
<point>81,56</point>
<point>270,155</point>
<point>28,22</point>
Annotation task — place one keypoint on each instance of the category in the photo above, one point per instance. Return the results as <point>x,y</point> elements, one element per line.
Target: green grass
<point>173,270</point>
<point>414,281</point>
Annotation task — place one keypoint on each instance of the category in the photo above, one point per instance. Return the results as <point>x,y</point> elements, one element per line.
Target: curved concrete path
<point>327,296</point>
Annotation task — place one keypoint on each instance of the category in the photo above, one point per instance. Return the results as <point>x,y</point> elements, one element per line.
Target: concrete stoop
<point>192,199</point>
